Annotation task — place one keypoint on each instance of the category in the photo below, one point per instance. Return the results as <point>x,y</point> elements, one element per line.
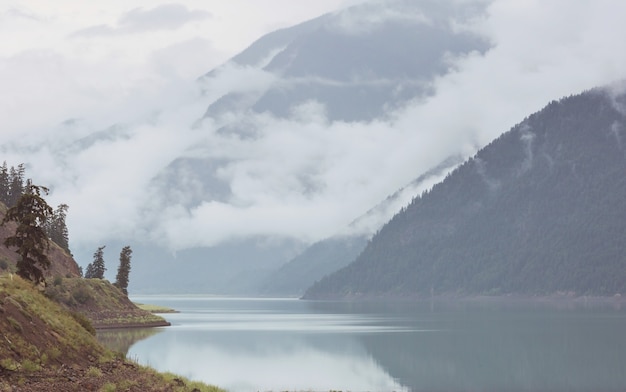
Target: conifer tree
<point>57,229</point>
<point>123,271</point>
<point>4,183</point>
<point>98,263</point>
<point>30,212</point>
<point>16,184</point>
<point>89,272</point>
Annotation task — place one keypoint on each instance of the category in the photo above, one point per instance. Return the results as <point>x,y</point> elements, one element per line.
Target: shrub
<point>9,364</point>
<point>15,324</point>
<point>81,295</point>
<point>4,265</point>
<point>58,281</point>
<point>84,322</point>
<point>54,353</point>
<point>30,366</point>
<point>94,372</point>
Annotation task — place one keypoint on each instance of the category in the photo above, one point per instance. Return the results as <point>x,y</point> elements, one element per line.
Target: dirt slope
<point>44,348</point>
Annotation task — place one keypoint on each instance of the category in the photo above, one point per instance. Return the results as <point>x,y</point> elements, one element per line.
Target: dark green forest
<point>540,210</point>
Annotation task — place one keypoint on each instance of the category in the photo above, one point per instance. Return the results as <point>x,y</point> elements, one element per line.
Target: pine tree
<point>123,271</point>
<point>30,212</point>
<point>16,184</point>
<point>57,229</point>
<point>4,183</point>
<point>98,263</point>
<point>89,271</point>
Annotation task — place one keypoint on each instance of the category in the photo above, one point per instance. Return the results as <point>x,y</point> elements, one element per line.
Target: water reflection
<point>120,340</point>
<point>267,362</point>
<point>246,345</point>
<point>270,345</point>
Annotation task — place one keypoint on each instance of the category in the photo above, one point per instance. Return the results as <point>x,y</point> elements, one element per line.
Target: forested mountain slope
<point>540,210</point>
<point>333,253</point>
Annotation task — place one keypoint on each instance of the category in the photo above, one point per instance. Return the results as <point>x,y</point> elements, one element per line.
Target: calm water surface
<point>278,345</point>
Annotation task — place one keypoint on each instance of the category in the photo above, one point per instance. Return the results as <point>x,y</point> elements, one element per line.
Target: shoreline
<point>156,324</point>
<point>507,298</point>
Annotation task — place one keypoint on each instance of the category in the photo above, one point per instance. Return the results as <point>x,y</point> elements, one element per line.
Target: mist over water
<point>262,344</point>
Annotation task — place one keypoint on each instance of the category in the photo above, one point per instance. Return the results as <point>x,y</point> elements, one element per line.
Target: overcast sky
<point>135,63</point>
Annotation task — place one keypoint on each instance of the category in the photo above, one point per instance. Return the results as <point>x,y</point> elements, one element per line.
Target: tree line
<point>37,224</point>
<point>13,184</point>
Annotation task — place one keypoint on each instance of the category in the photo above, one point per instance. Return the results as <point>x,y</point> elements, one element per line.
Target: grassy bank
<point>102,303</point>
<point>44,346</point>
<point>156,309</point>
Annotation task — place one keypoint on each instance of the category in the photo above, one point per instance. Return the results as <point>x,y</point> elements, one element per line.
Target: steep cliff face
<point>61,263</point>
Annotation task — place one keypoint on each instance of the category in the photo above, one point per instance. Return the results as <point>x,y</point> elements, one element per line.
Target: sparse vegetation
<point>94,372</point>
<point>155,308</point>
<point>102,303</point>
<point>52,351</point>
<point>109,387</point>
<point>84,322</point>
<point>81,294</point>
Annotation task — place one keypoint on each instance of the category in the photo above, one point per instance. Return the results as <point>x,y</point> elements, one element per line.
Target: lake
<point>288,344</point>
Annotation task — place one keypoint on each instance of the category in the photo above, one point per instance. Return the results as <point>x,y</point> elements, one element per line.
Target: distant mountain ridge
<point>359,63</point>
<point>538,211</point>
<point>331,254</point>
<point>355,65</point>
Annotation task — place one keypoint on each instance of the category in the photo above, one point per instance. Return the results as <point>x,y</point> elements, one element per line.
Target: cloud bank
<point>302,176</point>
<point>162,17</point>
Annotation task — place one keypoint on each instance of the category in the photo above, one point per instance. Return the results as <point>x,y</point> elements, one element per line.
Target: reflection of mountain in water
<point>496,349</point>
<point>261,344</point>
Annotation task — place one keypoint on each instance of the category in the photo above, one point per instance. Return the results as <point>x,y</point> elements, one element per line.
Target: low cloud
<point>303,176</point>
<point>139,20</point>
<point>163,17</point>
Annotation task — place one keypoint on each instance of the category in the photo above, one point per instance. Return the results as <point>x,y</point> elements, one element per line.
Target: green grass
<point>155,308</point>
<point>185,384</point>
<point>109,387</point>
<point>104,304</point>
<point>42,336</point>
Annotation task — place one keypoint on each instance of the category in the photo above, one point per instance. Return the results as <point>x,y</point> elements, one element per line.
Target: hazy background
<point>99,100</point>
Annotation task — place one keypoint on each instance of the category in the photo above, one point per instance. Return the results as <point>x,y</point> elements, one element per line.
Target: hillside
<point>333,253</point>
<point>538,211</point>
<point>317,261</point>
<point>45,348</point>
<point>101,302</point>
<point>61,263</point>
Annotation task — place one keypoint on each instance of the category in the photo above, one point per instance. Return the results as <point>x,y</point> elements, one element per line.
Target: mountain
<point>333,253</point>
<point>359,62</point>
<point>355,65</point>
<point>538,211</point>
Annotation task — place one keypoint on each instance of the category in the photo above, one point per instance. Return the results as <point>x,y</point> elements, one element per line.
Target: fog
<point>104,103</point>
